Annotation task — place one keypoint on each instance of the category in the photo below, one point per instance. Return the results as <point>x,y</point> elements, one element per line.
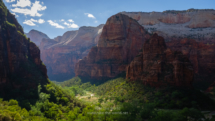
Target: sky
<point>55,17</point>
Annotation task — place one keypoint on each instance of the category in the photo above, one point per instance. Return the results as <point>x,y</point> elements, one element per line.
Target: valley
<point>138,66</point>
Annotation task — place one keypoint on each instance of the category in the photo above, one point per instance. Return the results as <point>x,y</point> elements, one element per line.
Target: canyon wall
<point>202,57</point>
<point>21,68</point>
<point>62,53</point>
<point>158,66</point>
<point>121,39</point>
<point>190,31</point>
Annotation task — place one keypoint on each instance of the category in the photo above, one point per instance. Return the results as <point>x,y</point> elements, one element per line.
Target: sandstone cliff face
<point>175,26</point>
<point>159,66</point>
<point>62,53</point>
<point>121,39</point>
<point>201,56</point>
<point>20,64</point>
<point>36,36</point>
<point>198,24</point>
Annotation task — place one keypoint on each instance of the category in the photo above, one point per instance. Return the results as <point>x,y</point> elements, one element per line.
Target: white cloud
<point>29,22</point>
<point>33,11</point>
<point>33,20</point>
<point>71,25</point>
<point>96,21</point>
<point>38,21</point>
<point>70,20</point>
<point>55,24</point>
<point>22,3</point>
<point>62,20</point>
<point>41,21</point>
<point>89,15</point>
<point>66,23</point>
<point>9,1</point>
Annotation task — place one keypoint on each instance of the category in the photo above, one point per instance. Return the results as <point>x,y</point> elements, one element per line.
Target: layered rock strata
<point>198,24</point>
<point>156,65</point>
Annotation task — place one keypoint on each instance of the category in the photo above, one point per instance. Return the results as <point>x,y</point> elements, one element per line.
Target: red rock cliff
<point>202,58</point>
<point>121,39</point>
<point>158,66</point>
<point>20,64</point>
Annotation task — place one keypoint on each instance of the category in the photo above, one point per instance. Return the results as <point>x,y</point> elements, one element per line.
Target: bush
<point>13,102</point>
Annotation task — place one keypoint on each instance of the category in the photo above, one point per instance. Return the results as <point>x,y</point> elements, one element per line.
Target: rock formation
<point>202,58</point>
<point>62,53</point>
<point>20,66</point>
<point>36,36</point>
<point>191,32</point>
<point>198,24</point>
<point>121,39</point>
<point>157,65</point>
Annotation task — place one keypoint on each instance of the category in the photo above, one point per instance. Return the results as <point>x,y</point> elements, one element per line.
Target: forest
<point>114,100</point>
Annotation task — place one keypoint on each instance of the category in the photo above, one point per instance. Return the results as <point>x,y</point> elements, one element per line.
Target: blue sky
<point>55,17</point>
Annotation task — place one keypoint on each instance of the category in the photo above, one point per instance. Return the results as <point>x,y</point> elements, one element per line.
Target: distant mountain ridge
<point>62,53</point>
<point>36,36</point>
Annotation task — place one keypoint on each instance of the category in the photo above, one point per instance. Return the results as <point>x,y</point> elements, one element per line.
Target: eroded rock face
<point>20,65</point>
<point>62,53</point>
<point>159,66</point>
<point>202,58</point>
<point>121,39</point>
<point>36,36</point>
<point>197,24</point>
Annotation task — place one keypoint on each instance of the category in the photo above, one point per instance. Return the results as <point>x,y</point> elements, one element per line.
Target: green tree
<point>100,100</point>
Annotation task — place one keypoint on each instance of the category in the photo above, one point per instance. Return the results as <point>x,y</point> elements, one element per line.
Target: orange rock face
<point>158,66</point>
<point>121,39</point>
<point>20,65</point>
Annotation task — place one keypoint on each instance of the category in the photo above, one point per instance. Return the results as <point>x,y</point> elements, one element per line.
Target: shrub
<point>13,102</point>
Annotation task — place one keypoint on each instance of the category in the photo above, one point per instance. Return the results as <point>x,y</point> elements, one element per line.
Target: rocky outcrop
<point>191,32</point>
<point>156,65</point>
<point>36,36</point>
<point>121,39</point>
<point>62,53</point>
<point>197,24</point>
<point>202,58</point>
<point>20,66</point>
